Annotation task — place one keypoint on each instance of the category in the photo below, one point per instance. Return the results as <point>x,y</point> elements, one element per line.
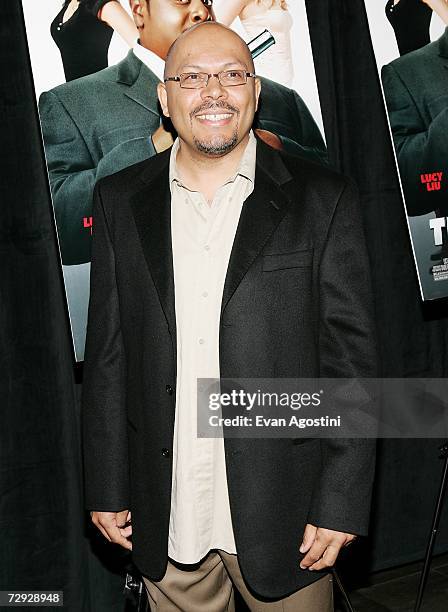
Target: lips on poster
<point>96,75</point>
<point>410,40</point>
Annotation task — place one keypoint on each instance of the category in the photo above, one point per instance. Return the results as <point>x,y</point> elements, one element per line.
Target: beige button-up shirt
<point>202,239</point>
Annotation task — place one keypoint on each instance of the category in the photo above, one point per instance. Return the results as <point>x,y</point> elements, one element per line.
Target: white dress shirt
<point>202,239</point>
<point>150,59</point>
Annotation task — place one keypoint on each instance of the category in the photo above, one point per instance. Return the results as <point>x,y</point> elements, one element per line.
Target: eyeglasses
<point>199,80</point>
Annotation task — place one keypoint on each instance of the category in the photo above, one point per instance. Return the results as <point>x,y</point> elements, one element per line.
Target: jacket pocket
<point>281,261</point>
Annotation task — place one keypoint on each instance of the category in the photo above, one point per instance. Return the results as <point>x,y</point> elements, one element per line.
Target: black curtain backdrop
<point>47,542</point>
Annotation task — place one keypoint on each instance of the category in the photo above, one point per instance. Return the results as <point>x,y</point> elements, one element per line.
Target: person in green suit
<point>416,91</point>
<point>99,124</point>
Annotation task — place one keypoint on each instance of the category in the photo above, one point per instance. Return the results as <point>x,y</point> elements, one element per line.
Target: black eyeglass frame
<point>178,78</point>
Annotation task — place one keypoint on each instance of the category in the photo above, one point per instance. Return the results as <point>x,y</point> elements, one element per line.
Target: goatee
<point>217,145</point>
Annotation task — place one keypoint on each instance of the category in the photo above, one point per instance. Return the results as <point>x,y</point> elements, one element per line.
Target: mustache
<point>211,106</point>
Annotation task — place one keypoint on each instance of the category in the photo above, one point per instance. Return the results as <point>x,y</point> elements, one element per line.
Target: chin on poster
<point>96,88</point>
<point>410,40</point>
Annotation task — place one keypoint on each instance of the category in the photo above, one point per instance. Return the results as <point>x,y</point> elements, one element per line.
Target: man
<point>415,87</point>
<point>225,257</point>
<point>102,123</point>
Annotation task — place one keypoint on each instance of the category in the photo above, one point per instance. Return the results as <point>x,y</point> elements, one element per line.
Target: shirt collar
<point>246,167</point>
<point>150,59</point>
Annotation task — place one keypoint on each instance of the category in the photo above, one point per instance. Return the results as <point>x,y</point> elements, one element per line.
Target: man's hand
<point>162,139</point>
<point>115,526</point>
<point>322,546</point>
<point>270,139</point>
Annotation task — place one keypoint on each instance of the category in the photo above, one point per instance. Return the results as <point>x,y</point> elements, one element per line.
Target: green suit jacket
<point>102,123</point>
<point>416,91</point>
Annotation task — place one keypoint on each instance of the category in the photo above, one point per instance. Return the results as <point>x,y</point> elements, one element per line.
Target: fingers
<point>308,538</point>
<point>328,559</point>
<point>126,530</point>
<point>114,527</point>
<point>161,139</point>
<point>324,549</point>
<point>123,523</point>
<point>315,552</point>
<point>103,531</point>
<point>270,138</point>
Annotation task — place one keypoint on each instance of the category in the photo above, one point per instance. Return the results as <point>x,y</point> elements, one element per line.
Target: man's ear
<point>163,99</point>
<point>137,12</point>
<point>257,91</point>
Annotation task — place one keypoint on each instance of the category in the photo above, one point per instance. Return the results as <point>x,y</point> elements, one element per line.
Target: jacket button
<point>169,389</point>
<point>165,452</point>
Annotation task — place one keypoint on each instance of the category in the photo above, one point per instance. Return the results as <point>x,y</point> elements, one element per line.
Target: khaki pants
<point>209,588</point>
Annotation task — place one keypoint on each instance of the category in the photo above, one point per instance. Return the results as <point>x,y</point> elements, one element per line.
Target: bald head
<point>204,37</point>
<point>214,116</point>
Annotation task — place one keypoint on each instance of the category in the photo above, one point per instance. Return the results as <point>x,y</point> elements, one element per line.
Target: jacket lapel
<point>141,81</point>
<point>151,207</point>
<point>261,213</point>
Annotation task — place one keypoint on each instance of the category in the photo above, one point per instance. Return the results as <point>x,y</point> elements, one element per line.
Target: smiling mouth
<point>214,118</point>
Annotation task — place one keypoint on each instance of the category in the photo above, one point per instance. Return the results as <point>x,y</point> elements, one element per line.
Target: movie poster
<point>410,40</point>
<point>97,99</point>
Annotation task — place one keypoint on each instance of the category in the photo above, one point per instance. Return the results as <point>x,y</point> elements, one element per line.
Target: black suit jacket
<point>296,303</point>
<point>416,91</point>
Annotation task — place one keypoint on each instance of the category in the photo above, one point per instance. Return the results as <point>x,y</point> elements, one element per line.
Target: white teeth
<point>219,117</point>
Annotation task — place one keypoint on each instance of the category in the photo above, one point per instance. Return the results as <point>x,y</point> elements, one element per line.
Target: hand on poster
<point>270,138</point>
<point>117,18</point>
<point>440,7</point>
